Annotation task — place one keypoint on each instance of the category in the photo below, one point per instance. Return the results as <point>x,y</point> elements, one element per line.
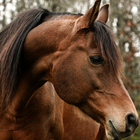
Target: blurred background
<point>124,20</point>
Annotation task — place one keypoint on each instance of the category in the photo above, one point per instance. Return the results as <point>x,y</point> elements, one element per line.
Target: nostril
<point>131,122</point>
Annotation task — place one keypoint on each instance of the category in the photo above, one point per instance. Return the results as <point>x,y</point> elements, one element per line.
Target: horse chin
<point>110,137</point>
<point>112,134</point>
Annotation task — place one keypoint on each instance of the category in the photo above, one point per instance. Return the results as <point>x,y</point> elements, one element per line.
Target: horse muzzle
<point>131,122</point>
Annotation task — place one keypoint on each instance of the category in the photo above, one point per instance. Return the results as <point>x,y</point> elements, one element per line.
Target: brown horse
<point>74,54</point>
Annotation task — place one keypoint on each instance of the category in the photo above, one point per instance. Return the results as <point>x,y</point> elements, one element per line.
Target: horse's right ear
<point>87,20</point>
<point>103,13</point>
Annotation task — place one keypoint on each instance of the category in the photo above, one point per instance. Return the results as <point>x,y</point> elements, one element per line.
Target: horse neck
<point>39,48</point>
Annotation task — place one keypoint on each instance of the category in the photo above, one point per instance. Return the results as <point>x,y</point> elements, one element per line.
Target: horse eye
<point>97,59</point>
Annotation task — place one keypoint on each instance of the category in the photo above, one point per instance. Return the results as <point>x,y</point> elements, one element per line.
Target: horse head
<point>87,73</point>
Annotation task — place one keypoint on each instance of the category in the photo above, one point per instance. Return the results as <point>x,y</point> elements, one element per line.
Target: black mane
<point>11,42</point>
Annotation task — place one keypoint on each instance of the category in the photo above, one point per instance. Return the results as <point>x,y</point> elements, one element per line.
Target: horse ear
<point>103,13</point>
<point>90,16</point>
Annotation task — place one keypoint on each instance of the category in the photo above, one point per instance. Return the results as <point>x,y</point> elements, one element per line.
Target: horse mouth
<point>118,135</point>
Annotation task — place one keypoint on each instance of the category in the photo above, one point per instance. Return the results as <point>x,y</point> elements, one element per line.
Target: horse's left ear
<point>103,13</point>
<point>88,19</point>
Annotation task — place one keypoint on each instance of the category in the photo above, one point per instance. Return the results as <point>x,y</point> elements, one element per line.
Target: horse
<point>73,56</point>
